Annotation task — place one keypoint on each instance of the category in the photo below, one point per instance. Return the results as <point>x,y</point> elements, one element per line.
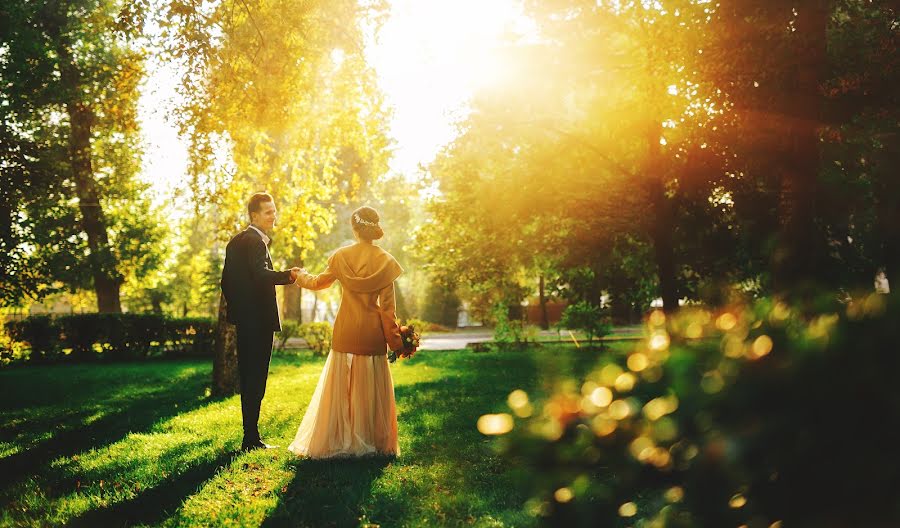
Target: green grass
<point>144,444</point>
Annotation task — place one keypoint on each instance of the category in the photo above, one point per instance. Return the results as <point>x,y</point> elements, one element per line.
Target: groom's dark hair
<point>256,200</point>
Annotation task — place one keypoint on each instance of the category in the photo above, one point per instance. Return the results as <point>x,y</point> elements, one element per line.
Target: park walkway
<point>459,339</point>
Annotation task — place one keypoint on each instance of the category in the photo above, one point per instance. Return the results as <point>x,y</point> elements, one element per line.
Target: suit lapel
<point>253,232</point>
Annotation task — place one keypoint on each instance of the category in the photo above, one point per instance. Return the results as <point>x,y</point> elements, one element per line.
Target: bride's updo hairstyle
<point>365,222</point>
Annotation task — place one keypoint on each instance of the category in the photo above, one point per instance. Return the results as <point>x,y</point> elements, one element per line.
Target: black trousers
<point>254,351</point>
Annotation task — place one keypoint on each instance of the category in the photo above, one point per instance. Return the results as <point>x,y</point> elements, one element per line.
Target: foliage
<point>665,153</point>
<point>441,304</point>
<point>94,336</point>
<point>424,327</point>
<point>696,433</point>
<point>289,329</point>
<point>72,212</point>
<point>576,161</point>
<point>188,284</point>
<point>317,335</point>
<point>11,350</point>
<point>510,330</point>
<point>278,97</point>
<point>589,318</point>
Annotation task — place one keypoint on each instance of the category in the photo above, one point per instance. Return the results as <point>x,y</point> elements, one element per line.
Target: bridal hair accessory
<point>359,220</point>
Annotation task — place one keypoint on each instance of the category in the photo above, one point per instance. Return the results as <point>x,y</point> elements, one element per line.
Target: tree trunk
<point>545,319</point>
<point>292,303</point>
<point>225,366</point>
<point>888,221</point>
<point>157,304</point>
<point>799,249</point>
<point>662,228</point>
<point>101,260</point>
<point>400,300</point>
<point>664,251</point>
<point>620,308</point>
<point>315,306</point>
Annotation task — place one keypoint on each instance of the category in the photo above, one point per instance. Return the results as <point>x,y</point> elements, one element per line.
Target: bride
<point>352,411</point>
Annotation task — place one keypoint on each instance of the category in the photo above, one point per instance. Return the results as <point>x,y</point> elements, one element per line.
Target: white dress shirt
<point>265,237</point>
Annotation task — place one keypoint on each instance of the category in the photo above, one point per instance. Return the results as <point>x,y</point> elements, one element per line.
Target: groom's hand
<point>295,272</point>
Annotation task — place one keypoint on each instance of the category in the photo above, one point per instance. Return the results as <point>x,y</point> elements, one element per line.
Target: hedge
<point>100,336</point>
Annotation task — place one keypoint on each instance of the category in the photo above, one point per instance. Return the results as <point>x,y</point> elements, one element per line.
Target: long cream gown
<point>352,411</point>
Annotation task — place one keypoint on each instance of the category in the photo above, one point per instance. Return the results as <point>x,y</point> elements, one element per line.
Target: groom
<point>248,283</point>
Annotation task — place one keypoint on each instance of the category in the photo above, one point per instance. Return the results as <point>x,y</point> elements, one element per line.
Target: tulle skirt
<point>352,411</point>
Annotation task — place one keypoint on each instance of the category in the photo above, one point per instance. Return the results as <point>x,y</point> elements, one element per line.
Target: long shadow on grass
<point>327,492</point>
<point>124,415</point>
<point>155,504</point>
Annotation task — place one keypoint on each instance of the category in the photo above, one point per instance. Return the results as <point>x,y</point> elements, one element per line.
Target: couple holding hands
<point>352,411</point>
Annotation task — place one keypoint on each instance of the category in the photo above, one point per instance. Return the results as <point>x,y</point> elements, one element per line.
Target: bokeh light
<point>625,382</point>
<point>629,509</point>
<point>563,495</point>
<point>495,424</point>
<point>726,321</point>
<point>762,345</point>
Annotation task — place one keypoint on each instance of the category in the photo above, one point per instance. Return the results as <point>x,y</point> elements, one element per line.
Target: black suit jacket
<point>248,282</point>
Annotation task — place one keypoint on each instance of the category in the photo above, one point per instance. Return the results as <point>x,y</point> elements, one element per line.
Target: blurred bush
<point>589,318</point>
<point>289,329</point>
<point>511,330</point>
<point>83,337</point>
<point>11,351</point>
<point>317,336</point>
<point>424,327</point>
<point>757,415</point>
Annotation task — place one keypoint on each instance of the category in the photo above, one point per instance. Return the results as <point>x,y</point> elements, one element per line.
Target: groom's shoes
<point>259,444</point>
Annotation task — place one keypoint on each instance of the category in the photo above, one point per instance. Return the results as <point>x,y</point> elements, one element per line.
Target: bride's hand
<point>300,271</point>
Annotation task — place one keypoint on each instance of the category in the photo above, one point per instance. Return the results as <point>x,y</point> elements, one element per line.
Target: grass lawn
<point>144,444</point>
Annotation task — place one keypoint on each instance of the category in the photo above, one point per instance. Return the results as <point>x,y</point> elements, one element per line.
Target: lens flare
<point>517,399</point>
<point>737,501</point>
<point>762,345</point>
<point>563,495</point>
<point>659,341</point>
<point>619,409</point>
<point>601,397</point>
<point>637,361</point>
<point>726,321</point>
<point>625,382</point>
<point>693,331</point>
<point>629,509</point>
<point>610,373</point>
<point>603,426</point>
<point>641,448</point>
<point>674,494</point>
<point>495,424</point>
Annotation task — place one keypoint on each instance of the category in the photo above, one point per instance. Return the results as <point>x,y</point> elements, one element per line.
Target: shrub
<point>289,329</point>
<point>751,415</point>
<point>189,336</point>
<point>589,318</point>
<point>317,336</point>
<point>424,327</point>
<point>511,331</point>
<point>40,334</point>
<point>11,351</point>
<point>112,336</point>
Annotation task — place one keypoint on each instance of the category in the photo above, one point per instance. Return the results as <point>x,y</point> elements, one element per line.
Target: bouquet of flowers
<point>410,339</point>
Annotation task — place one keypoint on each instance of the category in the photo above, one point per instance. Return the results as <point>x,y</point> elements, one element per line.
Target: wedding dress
<point>352,411</point>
